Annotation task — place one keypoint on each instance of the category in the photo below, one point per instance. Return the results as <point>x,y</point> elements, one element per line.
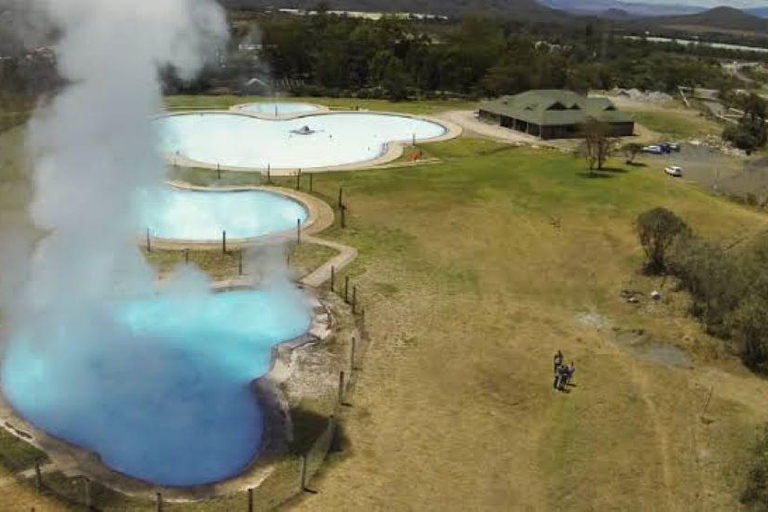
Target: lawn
<point>302,258</point>
<point>473,271</point>
<point>470,286</point>
<point>406,107</point>
<point>678,124</point>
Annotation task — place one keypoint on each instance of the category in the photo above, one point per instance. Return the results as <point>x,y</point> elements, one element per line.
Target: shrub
<point>755,495</point>
<point>658,229</point>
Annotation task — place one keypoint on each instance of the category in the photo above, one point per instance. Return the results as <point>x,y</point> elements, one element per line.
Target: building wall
<point>623,129</point>
<point>490,116</point>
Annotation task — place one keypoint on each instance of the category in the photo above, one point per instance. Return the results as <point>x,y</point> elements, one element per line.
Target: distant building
<point>555,114</point>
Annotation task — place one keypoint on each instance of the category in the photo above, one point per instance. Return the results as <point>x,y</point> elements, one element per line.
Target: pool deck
<point>241,109</point>
<point>394,149</point>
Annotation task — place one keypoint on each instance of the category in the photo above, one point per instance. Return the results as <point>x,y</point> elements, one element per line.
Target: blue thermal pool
<point>159,387</point>
<point>196,215</point>
<point>278,109</point>
<point>322,140</point>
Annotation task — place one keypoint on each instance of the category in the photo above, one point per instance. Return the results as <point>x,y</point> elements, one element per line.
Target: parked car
<point>654,150</point>
<point>674,171</point>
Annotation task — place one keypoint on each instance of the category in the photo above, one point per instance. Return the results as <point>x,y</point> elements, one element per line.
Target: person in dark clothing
<point>558,360</point>
<point>566,375</point>
<point>557,363</point>
<point>558,377</point>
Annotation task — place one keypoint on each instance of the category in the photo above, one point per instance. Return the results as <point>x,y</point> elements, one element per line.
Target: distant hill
<point>722,18</point>
<point>528,9</point>
<point>610,8</point>
<point>760,12</point>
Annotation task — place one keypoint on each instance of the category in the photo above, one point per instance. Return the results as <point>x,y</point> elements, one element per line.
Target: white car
<point>654,150</point>
<point>674,171</point>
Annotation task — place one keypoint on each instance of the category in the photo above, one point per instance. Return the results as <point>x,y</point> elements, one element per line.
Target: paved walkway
<point>322,274</point>
<point>473,126</point>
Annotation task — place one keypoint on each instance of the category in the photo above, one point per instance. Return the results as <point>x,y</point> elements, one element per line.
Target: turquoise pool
<point>202,215</point>
<point>159,387</point>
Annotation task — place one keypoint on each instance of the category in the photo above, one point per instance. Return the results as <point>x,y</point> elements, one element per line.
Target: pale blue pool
<point>202,216</point>
<point>278,109</point>
<point>165,396</point>
<point>241,141</point>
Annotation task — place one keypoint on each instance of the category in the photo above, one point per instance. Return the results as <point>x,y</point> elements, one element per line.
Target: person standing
<point>558,360</point>
<point>566,375</point>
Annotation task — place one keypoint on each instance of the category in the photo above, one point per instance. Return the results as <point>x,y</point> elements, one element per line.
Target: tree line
<point>476,56</point>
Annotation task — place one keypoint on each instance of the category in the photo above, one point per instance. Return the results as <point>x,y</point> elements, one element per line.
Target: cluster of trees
<point>755,494</point>
<point>750,132</point>
<point>728,288</point>
<point>475,56</point>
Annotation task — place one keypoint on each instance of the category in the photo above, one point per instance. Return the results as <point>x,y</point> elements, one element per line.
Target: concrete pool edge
<point>241,108</point>
<point>319,217</point>
<point>393,149</point>
<point>270,390</point>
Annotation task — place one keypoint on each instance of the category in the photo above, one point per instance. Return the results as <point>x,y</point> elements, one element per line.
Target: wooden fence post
<point>298,180</point>
<point>352,355</point>
<point>149,242</point>
<point>158,502</point>
<point>224,242</point>
<point>333,277</point>
<point>38,477</point>
<point>346,289</point>
<point>250,499</point>
<point>88,499</point>
<point>341,195</point>
<point>706,404</point>
<point>303,476</point>
<point>341,388</point>
<point>298,231</point>
<point>311,175</point>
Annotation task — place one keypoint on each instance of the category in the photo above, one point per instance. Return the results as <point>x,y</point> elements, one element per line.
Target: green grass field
<point>406,107</point>
<point>469,287</point>
<point>678,124</point>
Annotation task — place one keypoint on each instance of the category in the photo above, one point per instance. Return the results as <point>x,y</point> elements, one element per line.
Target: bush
<point>755,495</point>
<point>713,278</point>
<point>658,229</point>
<point>741,137</point>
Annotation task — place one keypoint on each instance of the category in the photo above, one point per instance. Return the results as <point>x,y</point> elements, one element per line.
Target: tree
<point>598,144</point>
<point>658,229</point>
<point>750,133</point>
<point>631,151</point>
<point>755,494</point>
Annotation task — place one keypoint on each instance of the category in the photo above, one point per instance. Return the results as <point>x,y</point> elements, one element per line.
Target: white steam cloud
<point>93,149</point>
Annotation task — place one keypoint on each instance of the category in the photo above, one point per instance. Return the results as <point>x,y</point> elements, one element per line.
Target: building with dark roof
<point>555,114</point>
